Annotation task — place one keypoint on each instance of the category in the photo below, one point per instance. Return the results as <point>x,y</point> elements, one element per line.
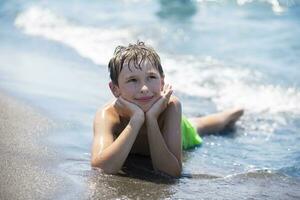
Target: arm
<point>107,153</point>
<point>165,144</point>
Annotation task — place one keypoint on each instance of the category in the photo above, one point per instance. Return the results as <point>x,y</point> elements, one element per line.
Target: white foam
<point>93,43</point>
<point>229,86</point>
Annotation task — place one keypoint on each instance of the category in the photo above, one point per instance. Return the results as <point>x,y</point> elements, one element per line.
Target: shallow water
<point>216,54</point>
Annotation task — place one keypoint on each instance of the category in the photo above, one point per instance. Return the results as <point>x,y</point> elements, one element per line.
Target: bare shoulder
<point>107,111</point>
<point>106,115</point>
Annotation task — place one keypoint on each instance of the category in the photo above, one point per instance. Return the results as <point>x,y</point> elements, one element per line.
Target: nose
<point>144,89</point>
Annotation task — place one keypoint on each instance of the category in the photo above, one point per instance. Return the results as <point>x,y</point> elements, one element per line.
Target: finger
<point>169,87</point>
<point>166,89</point>
<point>169,93</point>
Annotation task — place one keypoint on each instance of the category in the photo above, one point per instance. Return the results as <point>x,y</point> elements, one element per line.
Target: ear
<point>114,89</point>
<point>162,82</point>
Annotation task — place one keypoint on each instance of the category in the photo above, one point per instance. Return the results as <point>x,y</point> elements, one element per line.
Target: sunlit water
<point>216,54</point>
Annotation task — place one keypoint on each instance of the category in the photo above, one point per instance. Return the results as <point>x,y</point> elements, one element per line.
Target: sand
<point>30,168</point>
<point>26,167</point>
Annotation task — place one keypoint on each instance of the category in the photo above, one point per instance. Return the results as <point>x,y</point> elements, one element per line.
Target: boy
<point>145,118</point>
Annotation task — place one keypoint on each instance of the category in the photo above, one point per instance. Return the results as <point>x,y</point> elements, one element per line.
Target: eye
<point>153,77</point>
<point>132,80</point>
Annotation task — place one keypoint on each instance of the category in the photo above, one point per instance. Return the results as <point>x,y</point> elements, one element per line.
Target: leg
<point>217,122</point>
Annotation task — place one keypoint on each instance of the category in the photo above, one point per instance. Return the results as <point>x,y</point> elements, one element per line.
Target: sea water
<point>216,54</point>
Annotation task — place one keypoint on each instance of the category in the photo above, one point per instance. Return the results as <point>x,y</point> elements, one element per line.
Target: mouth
<point>144,99</point>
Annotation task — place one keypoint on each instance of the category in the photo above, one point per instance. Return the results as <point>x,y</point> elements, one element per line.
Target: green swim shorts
<point>190,137</point>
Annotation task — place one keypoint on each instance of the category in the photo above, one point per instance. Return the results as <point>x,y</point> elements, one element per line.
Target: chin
<point>146,107</point>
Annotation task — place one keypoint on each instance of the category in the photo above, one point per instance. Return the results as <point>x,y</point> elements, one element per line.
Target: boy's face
<point>140,86</point>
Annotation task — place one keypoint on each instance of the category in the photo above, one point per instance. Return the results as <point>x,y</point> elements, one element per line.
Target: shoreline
<point>26,167</point>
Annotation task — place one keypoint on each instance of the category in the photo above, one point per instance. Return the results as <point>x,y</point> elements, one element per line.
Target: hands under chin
<point>128,109</point>
<point>161,104</point>
<point>131,110</point>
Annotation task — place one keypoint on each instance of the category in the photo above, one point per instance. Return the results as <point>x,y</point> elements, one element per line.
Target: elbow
<point>109,171</point>
<point>176,170</point>
<point>94,163</point>
<point>104,168</point>
<point>176,173</point>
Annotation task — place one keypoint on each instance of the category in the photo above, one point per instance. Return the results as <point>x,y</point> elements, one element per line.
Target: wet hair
<point>133,56</point>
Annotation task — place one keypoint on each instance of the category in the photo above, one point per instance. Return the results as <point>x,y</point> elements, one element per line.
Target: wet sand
<point>26,165</point>
<point>32,168</point>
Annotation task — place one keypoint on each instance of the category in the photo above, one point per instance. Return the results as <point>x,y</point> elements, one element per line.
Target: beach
<point>216,55</point>
<point>32,170</point>
<point>26,167</point>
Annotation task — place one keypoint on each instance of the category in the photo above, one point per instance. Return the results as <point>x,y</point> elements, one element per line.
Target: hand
<point>128,109</point>
<point>161,104</point>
